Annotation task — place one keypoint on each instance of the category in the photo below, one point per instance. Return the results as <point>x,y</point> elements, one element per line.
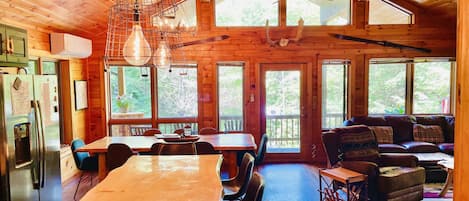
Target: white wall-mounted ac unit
<point>69,45</point>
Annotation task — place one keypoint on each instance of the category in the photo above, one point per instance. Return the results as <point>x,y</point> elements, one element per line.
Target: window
<point>177,92</point>
<point>230,97</point>
<point>387,88</point>
<point>318,12</point>
<point>334,93</point>
<point>432,88</point>
<point>394,89</point>
<point>49,67</point>
<point>130,92</point>
<point>186,15</point>
<point>32,67</point>
<point>246,12</point>
<point>385,12</point>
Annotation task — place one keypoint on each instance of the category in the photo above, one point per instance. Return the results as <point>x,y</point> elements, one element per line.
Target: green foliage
<point>123,101</point>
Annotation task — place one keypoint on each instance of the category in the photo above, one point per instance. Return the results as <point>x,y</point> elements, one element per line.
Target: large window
<point>230,97</point>
<point>387,88</point>
<point>432,88</point>
<point>318,12</point>
<point>177,92</point>
<point>410,87</point>
<point>386,12</point>
<point>246,12</point>
<point>130,92</point>
<point>334,93</point>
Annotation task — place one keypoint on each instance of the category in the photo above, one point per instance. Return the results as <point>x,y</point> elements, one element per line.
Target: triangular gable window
<point>386,12</point>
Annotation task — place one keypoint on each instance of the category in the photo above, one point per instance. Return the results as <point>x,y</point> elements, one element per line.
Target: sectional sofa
<point>412,134</point>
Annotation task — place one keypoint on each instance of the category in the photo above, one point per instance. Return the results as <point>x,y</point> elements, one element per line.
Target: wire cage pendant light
<point>140,32</point>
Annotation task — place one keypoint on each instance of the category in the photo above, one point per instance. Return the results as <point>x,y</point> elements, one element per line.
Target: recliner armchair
<point>390,177</point>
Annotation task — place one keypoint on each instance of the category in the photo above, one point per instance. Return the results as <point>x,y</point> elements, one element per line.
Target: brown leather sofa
<point>403,138</point>
<point>402,126</point>
<point>390,177</point>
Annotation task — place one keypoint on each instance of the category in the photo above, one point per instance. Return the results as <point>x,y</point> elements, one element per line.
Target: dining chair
<point>117,154</point>
<point>151,132</point>
<point>234,188</point>
<point>205,148</point>
<point>84,162</point>
<point>208,131</point>
<point>255,189</point>
<point>259,156</point>
<point>183,148</point>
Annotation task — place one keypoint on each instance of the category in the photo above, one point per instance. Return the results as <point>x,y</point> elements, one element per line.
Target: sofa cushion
<point>396,178</point>
<point>402,126</point>
<point>447,148</point>
<point>428,133</point>
<point>383,134</point>
<point>369,121</point>
<point>449,131</point>
<point>420,147</point>
<point>391,148</point>
<point>357,143</point>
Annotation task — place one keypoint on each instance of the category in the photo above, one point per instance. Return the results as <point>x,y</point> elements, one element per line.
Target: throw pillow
<point>428,133</point>
<point>358,146</point>
<point>383,134</point>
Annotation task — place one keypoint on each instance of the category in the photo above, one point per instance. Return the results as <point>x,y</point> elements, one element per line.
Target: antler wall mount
<point>283,42</point>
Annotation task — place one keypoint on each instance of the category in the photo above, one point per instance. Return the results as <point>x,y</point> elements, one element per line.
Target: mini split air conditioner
<point>69,45</point>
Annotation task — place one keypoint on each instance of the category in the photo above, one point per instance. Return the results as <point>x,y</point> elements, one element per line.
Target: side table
<point>448,165</point>
<point>347,178</point>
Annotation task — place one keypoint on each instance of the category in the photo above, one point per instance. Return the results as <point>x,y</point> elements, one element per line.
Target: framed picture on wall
<point>81,94</point>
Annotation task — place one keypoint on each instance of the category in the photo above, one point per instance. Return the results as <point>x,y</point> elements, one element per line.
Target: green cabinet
<point>14,46</point>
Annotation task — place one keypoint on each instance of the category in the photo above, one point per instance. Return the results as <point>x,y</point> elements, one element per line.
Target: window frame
<point>397,7</point>
<point>347,64</point>
<point>409,79</point>
<point>153,120</point>
<point>232,64</point>
<point>350,21</point>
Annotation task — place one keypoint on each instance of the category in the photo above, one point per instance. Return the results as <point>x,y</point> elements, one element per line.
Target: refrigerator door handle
<point>42,146</point>
<point>36,172</point>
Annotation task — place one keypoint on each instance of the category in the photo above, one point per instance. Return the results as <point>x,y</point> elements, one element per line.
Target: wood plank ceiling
<point>88,18</point>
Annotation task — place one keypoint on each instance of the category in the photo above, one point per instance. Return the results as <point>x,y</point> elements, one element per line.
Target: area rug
<point>432,191</point>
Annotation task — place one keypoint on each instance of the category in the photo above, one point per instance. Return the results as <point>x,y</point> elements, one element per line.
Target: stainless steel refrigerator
<point>29,138</point>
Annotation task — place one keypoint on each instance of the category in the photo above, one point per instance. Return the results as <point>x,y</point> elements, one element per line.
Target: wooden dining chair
<point>205,148</point>
<point>185,148</point>
<point>255,189</point>
<point>117,154</point>
<point>208,131</point>
<point>236,187</point>
<point>151,132</point>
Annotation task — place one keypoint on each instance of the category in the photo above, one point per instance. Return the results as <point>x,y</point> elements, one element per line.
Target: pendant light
<point>137,50</point>
<point>162,56</point>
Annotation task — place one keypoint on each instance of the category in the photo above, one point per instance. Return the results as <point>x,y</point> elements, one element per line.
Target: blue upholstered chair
<point>259,157</point>
<point>84,162</point>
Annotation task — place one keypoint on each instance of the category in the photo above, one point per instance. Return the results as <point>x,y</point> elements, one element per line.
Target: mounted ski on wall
<point>380,42</point>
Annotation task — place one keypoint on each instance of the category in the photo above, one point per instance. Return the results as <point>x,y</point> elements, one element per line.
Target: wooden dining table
<point>169,177</point>
<point>228,144</point>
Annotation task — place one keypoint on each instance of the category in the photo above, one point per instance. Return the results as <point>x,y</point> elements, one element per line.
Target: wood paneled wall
<point>71,69</point>
<point>461,150</point>
<point>248,45</point>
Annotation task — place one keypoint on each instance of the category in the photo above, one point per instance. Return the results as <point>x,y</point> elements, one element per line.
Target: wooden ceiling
<point>88,18</point>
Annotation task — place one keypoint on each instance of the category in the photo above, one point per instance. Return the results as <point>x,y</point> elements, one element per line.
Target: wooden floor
<point>284,182</point>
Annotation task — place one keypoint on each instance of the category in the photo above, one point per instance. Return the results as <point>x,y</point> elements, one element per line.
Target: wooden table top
<point>150,178</point>
<point>232,141</point>
<point>343,175</point>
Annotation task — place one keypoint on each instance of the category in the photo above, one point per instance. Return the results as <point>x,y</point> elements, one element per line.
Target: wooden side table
<point>448,165</point>
<point>346,177</point>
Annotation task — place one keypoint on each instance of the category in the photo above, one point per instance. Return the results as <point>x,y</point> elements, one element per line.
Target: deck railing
<point>283,130</point>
